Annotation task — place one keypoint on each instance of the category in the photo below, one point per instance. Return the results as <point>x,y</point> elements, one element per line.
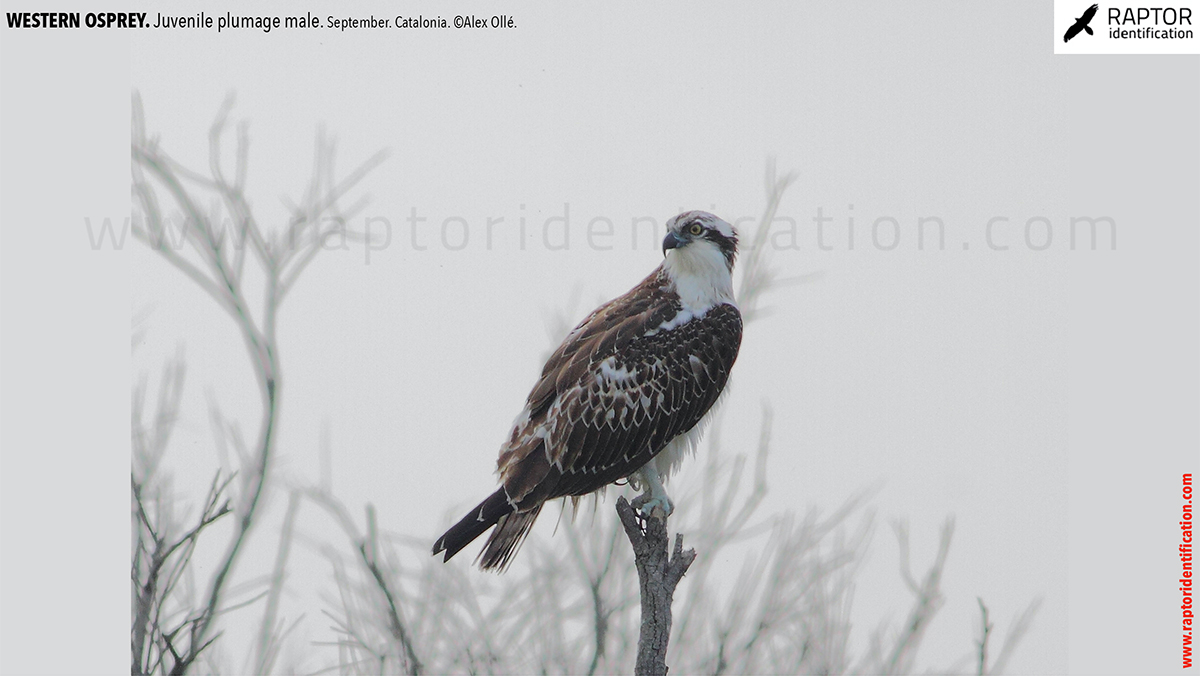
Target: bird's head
<point>697,239</point>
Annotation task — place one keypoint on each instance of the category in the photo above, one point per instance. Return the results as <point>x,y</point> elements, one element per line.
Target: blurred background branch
<point>571,607</point>
<point>202,247</point>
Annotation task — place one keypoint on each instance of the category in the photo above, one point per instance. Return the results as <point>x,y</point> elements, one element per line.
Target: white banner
<point>1146,27</point>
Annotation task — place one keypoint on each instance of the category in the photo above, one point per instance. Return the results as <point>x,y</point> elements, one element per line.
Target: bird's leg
<point>653,496</point>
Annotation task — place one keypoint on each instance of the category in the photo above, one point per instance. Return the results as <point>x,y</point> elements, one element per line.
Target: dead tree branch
<point>658,575</point>
<point>982,644</point>
<point>1020,626</point>
<point>368,552</point>
<point>159,563</point>
<point>199,246</point>
<point>928,600</point>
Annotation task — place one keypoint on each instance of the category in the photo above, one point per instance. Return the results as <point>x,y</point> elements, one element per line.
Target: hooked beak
<point>671,242</point>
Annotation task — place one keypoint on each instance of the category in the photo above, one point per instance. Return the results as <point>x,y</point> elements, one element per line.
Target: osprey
<point>626,396</point>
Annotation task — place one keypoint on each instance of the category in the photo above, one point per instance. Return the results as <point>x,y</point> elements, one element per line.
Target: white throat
<point>700,275</point>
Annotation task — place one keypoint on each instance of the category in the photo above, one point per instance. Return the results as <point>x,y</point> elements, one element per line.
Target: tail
<point>511,529</point>
<point>471,526</point>
<point>507,538</point>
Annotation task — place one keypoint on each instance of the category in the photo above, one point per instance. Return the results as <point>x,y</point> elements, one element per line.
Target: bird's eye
<point>696,229</point>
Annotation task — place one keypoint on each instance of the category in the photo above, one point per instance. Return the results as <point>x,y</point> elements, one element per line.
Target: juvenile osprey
<point>625,395</point>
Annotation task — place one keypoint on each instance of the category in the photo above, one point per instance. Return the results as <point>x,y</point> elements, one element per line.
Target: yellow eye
<point>696,229</point>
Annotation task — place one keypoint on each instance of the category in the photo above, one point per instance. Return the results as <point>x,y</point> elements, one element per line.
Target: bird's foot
<point>653,502</point>
<point>651,505</point>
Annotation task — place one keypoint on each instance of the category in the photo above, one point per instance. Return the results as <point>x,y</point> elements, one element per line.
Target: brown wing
<point>622,385</point>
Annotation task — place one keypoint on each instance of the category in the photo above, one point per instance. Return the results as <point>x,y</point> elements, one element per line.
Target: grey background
<point>1047,399</point>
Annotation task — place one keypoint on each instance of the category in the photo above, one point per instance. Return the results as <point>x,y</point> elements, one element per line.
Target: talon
<point>656,506</point>
<point>653,502</point>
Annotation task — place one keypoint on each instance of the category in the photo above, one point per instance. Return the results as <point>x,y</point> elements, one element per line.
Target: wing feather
<point>616,392</point>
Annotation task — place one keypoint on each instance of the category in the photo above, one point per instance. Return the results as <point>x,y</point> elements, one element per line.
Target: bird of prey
<point>1081,24</point>
<point>626,396</point>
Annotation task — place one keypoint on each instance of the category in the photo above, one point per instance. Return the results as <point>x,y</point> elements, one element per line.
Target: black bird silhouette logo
<point>1081,24</point>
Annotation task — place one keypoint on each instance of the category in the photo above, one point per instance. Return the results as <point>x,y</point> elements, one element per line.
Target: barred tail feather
<point>510,532</point>
<point>485,515</point>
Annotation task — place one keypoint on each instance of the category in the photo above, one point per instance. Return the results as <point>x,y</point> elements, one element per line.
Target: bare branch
<point>268,635</point>
<point>1016,632</point>
<point>658,575</point>
<point>929,599</point>
<point>756,277</point>
<point>220,277</point>
<point>368,554</point>
<point>984,634</point>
